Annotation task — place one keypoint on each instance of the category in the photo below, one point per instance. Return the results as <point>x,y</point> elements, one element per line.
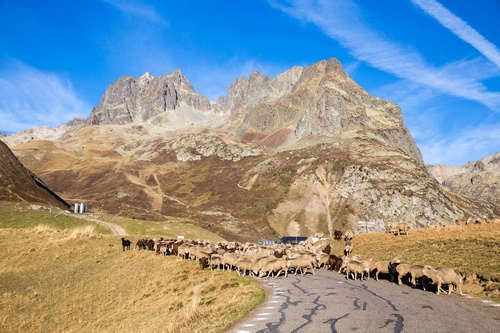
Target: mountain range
<point>306,151</point>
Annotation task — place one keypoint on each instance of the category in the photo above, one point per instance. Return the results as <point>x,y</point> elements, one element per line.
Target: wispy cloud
<point>460,28</point>
<point>477,142</point>
<point>434,129</point>
<point>422,110</point>
<point>341,20</point>
<point>138,9</point>
<point>30,98</point>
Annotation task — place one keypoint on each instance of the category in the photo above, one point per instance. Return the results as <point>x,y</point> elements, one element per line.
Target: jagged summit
<point>317,100</point>
<point>147,99</point>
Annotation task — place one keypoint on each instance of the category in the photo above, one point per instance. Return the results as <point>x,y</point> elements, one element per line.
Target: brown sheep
<point>337,234</point>
<point>334,263</point>
<point>203,262</point>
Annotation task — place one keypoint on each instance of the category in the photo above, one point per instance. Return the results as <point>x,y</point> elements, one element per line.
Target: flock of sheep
<point>283,259</point>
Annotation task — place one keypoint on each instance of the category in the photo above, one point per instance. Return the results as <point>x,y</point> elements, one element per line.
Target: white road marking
<point>265,314</point>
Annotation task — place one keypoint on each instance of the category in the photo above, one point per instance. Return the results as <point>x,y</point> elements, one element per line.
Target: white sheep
<point>355,267</point>
<point>440,276</point>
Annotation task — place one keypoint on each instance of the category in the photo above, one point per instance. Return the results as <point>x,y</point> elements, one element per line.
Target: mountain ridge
<point>306,151</point>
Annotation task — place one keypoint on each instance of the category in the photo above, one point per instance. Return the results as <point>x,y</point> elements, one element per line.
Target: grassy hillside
<point>76,280</point>
<point>474,251</point>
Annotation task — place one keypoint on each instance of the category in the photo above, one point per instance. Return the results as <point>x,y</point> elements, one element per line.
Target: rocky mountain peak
<point>147,99</point>
<point>180,80</point>
<point>144,79</point>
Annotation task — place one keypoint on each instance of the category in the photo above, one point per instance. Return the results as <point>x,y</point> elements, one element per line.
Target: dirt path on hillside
<point>117,230</point>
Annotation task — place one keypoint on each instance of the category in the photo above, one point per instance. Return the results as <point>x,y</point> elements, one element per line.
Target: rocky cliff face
<point>320,100</point>
<point>147,98</point>
<point>306,151</point>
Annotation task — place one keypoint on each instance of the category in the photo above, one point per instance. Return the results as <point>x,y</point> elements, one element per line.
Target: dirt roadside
<point>117,230</point>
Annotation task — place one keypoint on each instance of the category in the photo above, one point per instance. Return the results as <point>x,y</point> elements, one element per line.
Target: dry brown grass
<point>474,251</point>
<point>73,281</point>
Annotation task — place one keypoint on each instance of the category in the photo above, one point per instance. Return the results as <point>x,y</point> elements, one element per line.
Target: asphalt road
<point>327,302</point>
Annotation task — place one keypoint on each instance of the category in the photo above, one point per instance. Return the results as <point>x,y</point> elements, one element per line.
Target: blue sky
<point>439,61</point>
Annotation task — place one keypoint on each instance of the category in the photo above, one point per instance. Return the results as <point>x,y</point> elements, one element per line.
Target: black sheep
<point>125,244</point>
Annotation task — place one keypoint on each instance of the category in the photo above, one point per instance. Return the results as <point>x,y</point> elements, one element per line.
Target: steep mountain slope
<point>306,151</point>
<point>479,179</point>
<point>19,184</point>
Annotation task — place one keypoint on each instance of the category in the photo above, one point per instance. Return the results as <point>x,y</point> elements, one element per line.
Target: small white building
<point>80,208</point>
